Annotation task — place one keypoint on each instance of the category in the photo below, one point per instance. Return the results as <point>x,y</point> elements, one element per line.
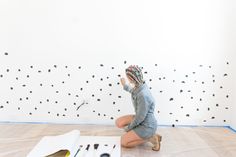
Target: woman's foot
<point>156,141</point>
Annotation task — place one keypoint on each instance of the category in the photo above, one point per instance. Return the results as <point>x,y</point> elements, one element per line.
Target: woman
<point>142,126</point>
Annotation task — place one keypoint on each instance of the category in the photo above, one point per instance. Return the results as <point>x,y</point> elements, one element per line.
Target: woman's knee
<point>118,123</point>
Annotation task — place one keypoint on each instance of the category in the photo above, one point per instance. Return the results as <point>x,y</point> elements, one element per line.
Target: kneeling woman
<point>142,126</point>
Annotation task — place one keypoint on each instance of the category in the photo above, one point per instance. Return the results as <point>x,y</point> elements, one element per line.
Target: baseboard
<point>232,129</point>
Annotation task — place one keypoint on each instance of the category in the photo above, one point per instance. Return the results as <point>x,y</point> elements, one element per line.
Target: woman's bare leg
<point>124,121</point>
<point>131,139</point>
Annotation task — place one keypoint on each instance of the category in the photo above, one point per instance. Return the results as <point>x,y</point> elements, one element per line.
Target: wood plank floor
<point>16,140</point>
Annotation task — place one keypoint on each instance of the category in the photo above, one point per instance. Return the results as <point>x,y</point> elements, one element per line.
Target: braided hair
<point>135,74</point>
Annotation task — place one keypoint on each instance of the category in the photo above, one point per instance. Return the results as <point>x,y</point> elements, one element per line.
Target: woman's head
<point>134,74</point>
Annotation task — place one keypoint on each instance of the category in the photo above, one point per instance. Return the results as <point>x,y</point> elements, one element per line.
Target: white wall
<point>174,41</point>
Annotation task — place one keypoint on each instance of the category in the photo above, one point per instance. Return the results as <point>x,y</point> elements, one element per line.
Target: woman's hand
<point>122,81</point>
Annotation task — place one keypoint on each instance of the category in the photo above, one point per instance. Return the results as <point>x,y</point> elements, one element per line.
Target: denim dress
<point>144,123</point>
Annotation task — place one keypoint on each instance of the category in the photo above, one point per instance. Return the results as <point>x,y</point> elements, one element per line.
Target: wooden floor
<point>16,140</point>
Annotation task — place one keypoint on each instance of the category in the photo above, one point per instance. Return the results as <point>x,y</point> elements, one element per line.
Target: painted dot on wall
<point>112,68</point>
<point>18,108</point>
<point>227,63</point>
<point>110,84</point>
<point>217,105</point>
<point>112,118</point>
<point>173,125</point>
<point>125,62</point>
<point>11,88</point>
<point>187,115</point>
<point>181,91</point>
<point>30,113</point>
<point>8,70</point>
<point>101,65</point>
<point>119,96</point>
<point>171,99</point>
<point>119,75</point>
<point>93,76</point>
<point>114,102</point>
<point>6,53</point>
<point>1,75</point>
<point>213,117</point>
<point>227,96</point>
<point>225,74</point>
<point>57,114</point>
<point>98,99</point>
<point>49,112</point>
<point>49,70</point>
<point>1,106</point>
<point>79,67</point>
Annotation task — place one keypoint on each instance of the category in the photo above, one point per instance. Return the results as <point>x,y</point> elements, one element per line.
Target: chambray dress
<point>144,123</point>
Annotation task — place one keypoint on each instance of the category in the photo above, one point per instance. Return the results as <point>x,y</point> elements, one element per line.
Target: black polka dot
<point>5,53</point>
<point>171,99</point>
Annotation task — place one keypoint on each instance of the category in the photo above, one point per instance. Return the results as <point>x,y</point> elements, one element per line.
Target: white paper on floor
<point>79,146</point>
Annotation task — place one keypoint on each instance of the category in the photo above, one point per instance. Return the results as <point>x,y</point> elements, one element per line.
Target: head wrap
<point>135,73</point>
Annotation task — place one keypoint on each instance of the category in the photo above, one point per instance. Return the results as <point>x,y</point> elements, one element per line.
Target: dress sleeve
<point>127,88</point>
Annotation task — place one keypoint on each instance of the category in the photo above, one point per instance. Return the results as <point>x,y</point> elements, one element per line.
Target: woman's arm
<point>126,87</point>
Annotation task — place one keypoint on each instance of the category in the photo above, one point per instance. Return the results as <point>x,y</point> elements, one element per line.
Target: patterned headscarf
<point>135,73</point>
